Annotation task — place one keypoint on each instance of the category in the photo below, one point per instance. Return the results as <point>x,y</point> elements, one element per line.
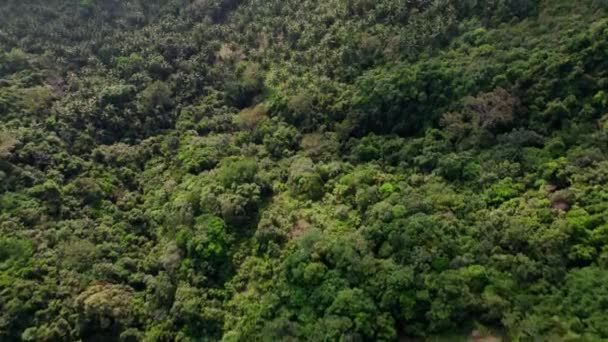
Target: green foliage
<point>202,153</point>
<point>303,170</point>
<point>118,95</point>
<point>404,99</point>
<point>579,304</point>
<point>155,97</point>
<point>236,171</point>
<point>503,191</point>
<point>248,83</point>
<point>281,141</point>
<point>13,61</point>
<point>103,309</point>
<point>304,181</point>
<point>14,253</point>
<point>129,65</point>
<point>205,247</point>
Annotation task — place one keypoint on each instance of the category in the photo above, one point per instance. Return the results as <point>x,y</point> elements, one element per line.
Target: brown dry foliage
<point>249,118</point>
<point>494,109</point>
<point>8,141</point>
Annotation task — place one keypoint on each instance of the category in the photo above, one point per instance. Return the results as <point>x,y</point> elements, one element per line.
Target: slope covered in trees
<point>357,170</point>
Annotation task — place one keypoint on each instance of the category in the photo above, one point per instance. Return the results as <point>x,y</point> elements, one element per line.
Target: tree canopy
<point>337,170</point>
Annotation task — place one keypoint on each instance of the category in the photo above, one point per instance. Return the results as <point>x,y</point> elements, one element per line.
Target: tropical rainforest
<point>303,170</point>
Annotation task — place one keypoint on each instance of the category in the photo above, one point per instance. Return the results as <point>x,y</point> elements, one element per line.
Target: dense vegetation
<point>277,170</point>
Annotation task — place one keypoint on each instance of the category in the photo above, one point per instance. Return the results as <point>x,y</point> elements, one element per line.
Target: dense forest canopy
<point>323,170</point>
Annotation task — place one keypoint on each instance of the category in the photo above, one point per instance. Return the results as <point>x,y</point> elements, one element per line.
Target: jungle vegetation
<point>303,170</point>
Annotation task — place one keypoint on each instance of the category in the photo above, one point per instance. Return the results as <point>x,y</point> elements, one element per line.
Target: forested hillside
<point>303,170</point>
